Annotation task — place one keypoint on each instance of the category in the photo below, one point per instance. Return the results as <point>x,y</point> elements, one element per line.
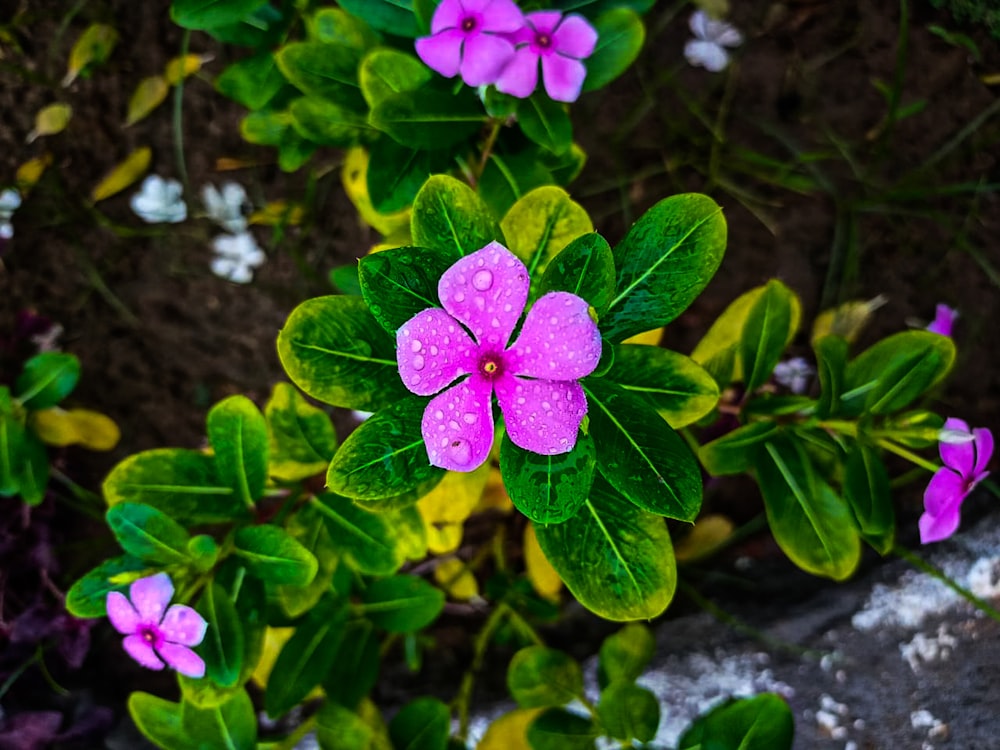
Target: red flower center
<point>543,40</point>
<point>491,366</point>
<point>468,24</point>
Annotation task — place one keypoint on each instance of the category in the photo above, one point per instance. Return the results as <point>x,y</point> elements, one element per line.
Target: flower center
<point>543,40</point>
<point>148,634</point>
<point>491,366</point>
<point>468,24</point>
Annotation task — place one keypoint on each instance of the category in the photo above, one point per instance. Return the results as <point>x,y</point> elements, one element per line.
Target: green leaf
<point>546,122</point>
<point>231,725</point>
<point>763,722</point>
<point>627,711</point>
<point>252,81</point>
<point>160,722</point>
<point>680,390</point>
<point>831,361</point>
<point>267,127</point>
<point>665,260</point>
<point>301,439</point>
<point>624,655</point>
<point>339,728</point>
<point>509,176</point>
<point>548,489</point>
<point>334,350</point>
<point>867,491</point>
<point>448,216</point>
<point>422,724</point>
<point>809,521</point>
<point>586,268</point>
<point>616,559</point>
<point>402,604</point>
<point>306,658</point>
<point>541,224</point>
<point>594,8</point>
<point>328,72</point>
<point>428,119</point>
<point>237,432</point>
<point>182,483</point>
<point>274,556</point>
<point>307,527</point>
<point>88,596</point>
<point>399,283</point>
<point>385,456</point>
<point>11,445</point>
<point>355,668</point>
<point>620,34</point>
<point>391,16</point>
<point>396,173</point>
<point>148,534</point>
<point>640,455</point>
<point>223,647</point>
<point>262,29</point>
<point>386,71</point>
<point>199,15</point>
<point>203,551</point>
<point>733,452</point>
<point>33,472</point>
<point>294,151</point>
<point>47,379</point>
<point>335,26</point>
<point>366,539</point>
<point>328,123</point>
<point>767,328</point>
<point>539,677</point>
<point>557,729</point>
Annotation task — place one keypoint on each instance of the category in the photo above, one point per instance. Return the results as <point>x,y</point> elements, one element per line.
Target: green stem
<point>921,564</point>
<point>908,455</point>
<point>464,697</point>
<point>178,120</point>
<point>491,140</point>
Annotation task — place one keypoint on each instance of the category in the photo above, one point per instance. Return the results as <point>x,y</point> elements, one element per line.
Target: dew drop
<point>461,451</point>
<point>482,280</point>
<point>520,401</point>
<point>434,351</point>
<point>495,322</point>
<point>414,380</point>
<point>444,442</point>
<point>418,362</point>
<point>415,345</point>
<point>439,414</point>
<point>469,418</point>
<point>453,424</point>
<point>460,296</point>
<point>546,405</point>
<point>554,321</point>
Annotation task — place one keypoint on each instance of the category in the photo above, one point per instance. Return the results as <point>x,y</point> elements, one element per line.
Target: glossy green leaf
<point>33,472</point>
<point>541,224</point>
<point>620,34</point>
<point>402,603</point>
<point>386,71</point>
<point>11,447</point>
<point>334,350</point>
<point>867,491</point>
<point>546,122</point>
<point>356,667</point>
<point>509,176</point>
<point>274,556</point>
<point>148,534</point>
<point>539,677</point>
<point>264,28</point>
<point>764,722</point>
<point>203,551</point>
<point>594,8</point>
<point>640,455</point>
<point>586,268</point>
<point>557,729</point>
<point>328,123</point>
<point>423,724</point>
<point>252,81</point>
<point>88,596</point>
<point>335,26</point>
<point>328,72</point>
<point>664,261</point>
<point>811,524</point>
<point>366,539</point>
<point>339,728</point>
<point>294,151</point>
<point>624,655</point>
<point>448,216</point>
<point>396,173</point>
<point>428,119</point>
<point>267,127</point>
<point>391,16</point>
<point>47,379</point>
<point>627,711</point>
<point>733,453</point>
<point>306,526</point>
<point>548,489</point>
<point>208,14</point>
<point>831,361</point>
<point>399,283</point>
<point>385,457</point>
<point>223,647</point>
<point>767,328</point>
<point>231,725</point>
<point>616,559</point>
<point>237,432</point>
<point>160,722</point>
<point>301,437</point>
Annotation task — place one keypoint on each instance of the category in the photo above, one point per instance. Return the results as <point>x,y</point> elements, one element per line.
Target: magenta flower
<point>965,455</point>
<point>560,42</point>
<point>470,37</point>
<point>151,635</point>
<point>535,378</point>
<point>944,319</point>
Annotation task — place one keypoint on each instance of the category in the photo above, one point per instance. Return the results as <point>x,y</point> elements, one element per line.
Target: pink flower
<point>944,319</point>
<point>965,455</point>
<point>469,37</point>
<point>560,42</point>
<point>152,635</point>
<point>534,379</point>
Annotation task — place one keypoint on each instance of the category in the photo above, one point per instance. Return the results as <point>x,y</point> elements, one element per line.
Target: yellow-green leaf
<point>123,175</point>
<point>541,224</point>
<point>510,731</point>
<point>445,508</point>
<point>51,120</point>
<point>92,48</point>
<point>708,534</point>
<point>846,320</point>
<point>182,67</point>
<point>455,578</point>
<point>543,577</point>
<point>355,179</point>
<point>91,429</point>
<point>31,172</point>
<point>148,95</point>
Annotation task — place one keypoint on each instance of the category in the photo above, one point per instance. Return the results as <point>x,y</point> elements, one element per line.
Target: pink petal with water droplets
<point>936,528</point>
<point>563,77</point>
<point>150,597</point>
<point>959,456</point>
<point>483,57</point>
<point>121,613</point>
<point>183,625</point>
<point>502,16</point>
<point>183,659</point>
<point>983,440</point>
<point>458,426</point>
<point>541,416</point>
<point>520,77</point>
<point>558,340</point>
<point>575,37</point>
<point>442,52</point>
<point>944,492</point>
<point>448,15</point>
<point>486,292</point>
<point>432,350</point>
<point>140,650</point>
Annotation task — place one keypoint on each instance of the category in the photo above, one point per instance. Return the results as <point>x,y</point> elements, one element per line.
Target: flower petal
<point>958,456</point>
<point>183,625</point>
<point>483,57</point>
<point>558,340</point>
<point>140,650</point>
<point>544,21</point>
<point>150,596</point>
<point>520,77</point>
<point>541,416</point>
<point>984,451</point>
<point>563,77</point>
<point>944,492</point>
<point>699,24</point>
<point>502,16</point>
<point>575,37</point>
<point>726,35</point>
<point>448,15</point>
<point>944,319</point>
<point>936,528</point>
<point>183,659</point>
<point>458,426</point>
<point>708,55</point>
<point>121,613</point>
<point>486,292</point>
<point>432,350</point>
<point>442,52</point>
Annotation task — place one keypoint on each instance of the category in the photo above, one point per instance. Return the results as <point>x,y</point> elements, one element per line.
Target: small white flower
<point>794,374</point>
<point>236,257</point>
<point>708,48</point>
<point>225,207</point>
<point>10,201</point>
<point>159,201</point>
<point>48,341</point>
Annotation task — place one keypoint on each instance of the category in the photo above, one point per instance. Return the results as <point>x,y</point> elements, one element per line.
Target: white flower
<point>708,48</point>
<point>225,208</point>
<point>48,341</point>
<point>10,201</point>
<point>794,374</point>
<point>159,201</point>
<point>236,257</point>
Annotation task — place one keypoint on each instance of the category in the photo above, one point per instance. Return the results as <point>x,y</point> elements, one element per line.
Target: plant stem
<point>921,564</point>
<point>908,455</point>
<point>178,119</point>
<point>482,642</point>
<point>491,140</point>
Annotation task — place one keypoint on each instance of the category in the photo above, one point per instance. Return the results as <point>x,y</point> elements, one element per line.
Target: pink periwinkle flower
<point>153,632</point>
<point>944,319</point>
<point>535,379</point>
<point>965,454</point>
<point>470,37</point>
<point>560,43</point>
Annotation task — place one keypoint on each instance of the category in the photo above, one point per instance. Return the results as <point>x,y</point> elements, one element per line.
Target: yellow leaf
<point>123,175</point>
<point>650,338</point>
<point>231,164</point>
<point>495,495</point>
<point>990,79</point>
<point>182,67</point>
<point>400,238</point>
<point>148,95</point>
<point>455,578</point>
<point>31,172</point>
<point>704,538</point>
<point>846,320</point>
<point>279,212</point>
<point>542,575</point>
<point>510,731</point>
<point>354,176</point>
<point>92,48</point>
<point>91,429</point>
<point>274,640</point>
<point>445,508</point>
<point>51,120</point>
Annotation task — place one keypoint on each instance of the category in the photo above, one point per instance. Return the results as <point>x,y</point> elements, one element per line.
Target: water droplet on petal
<point>415,345</point>
<point>469,418</point>
<point>459,296</point>
<point>414,380</point>
<point>461,451</point>
<point>554,320</point>
<point>546,405</point>
<point>495,322</point>
<point>434,351</point>
<point>418,362</point>
<point>438,414</point>
<point>482,280</point>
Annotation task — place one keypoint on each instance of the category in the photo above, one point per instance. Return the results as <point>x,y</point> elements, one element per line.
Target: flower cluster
<point>965,454</point>
<point>491,42</point>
